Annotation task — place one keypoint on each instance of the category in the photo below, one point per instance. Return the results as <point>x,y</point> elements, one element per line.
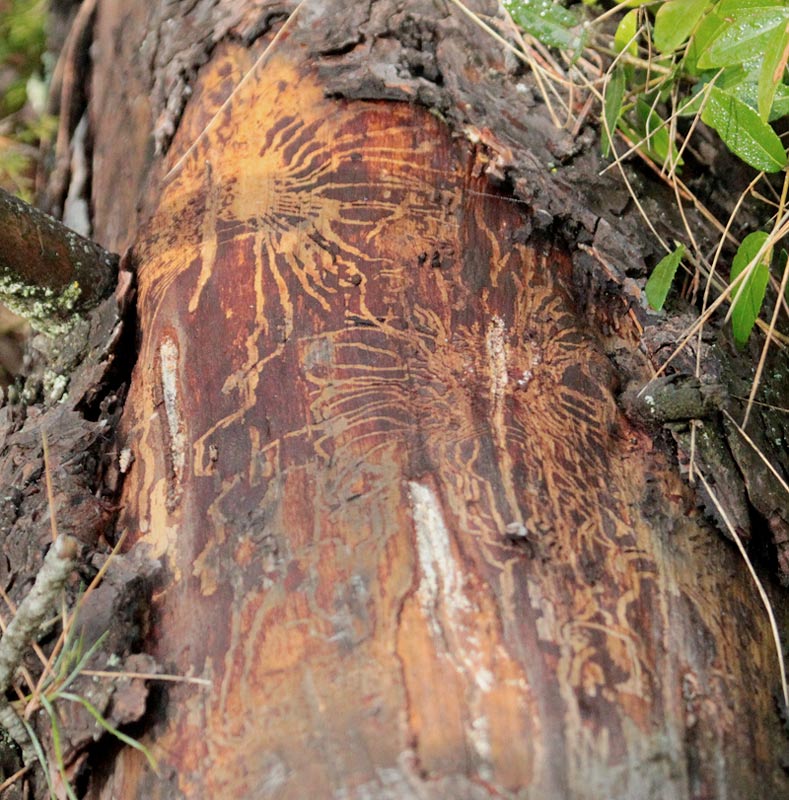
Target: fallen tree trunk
<point>408,534</point>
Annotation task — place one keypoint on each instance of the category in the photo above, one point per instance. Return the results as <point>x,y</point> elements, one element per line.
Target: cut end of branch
<point>66,547</point>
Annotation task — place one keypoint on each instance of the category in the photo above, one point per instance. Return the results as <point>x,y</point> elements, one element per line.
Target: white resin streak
<point>168,353</point>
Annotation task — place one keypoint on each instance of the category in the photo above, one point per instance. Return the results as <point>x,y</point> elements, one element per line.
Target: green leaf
<point>81,660</point>
<point>732,8</point>
<point>754,141</point>
<point>57,746</point>
<point>675,22</point>
<point>612,107</point>
<point>625,36</point>
<point>772,69</point>
<point>745,310</point>
<point>706,33</point>
<point>662,277</point>
<point>743,82</point>
<point>658,142</point>
<point>551,23</point>
<point>96,714</point>
<point>780,106</point>
<point>39,751</point>
<point>745,36</point>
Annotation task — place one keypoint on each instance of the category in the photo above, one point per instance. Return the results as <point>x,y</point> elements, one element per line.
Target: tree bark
<point>408,534</point>
<point>48,273</point>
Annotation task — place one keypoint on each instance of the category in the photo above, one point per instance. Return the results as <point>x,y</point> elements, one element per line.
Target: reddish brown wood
<point>409,537</point>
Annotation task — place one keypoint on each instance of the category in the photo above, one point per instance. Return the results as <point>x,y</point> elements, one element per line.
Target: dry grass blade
<point>50,494</point>
<point>10,781</point>
<point>524,55</point>
<point>770,242</point>
<point>705,316</point>
<point>759,587</point>
<point>780,229</point>
<point>148,676</point>
<point>251,71</point>
<point>625,4</point>
<point>617,161</point>
<point>759,453</point>
<point>47,664</point>
<point>716,257</point>
<point>637,147</point>
<point>664,124</point>
<point>771,406</point>
<point>713,280</point>
<point>765,348</point>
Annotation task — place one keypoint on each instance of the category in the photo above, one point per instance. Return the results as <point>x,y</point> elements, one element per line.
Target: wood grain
<point>410,538</point>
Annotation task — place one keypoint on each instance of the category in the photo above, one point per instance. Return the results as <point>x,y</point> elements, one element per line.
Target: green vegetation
<point>21,47</point>
<point>551,23</point>
<point>23,122</point>
<point>663,276</point>
<point>719,61</point>
<point>69,665</point>
<point>67,661</point>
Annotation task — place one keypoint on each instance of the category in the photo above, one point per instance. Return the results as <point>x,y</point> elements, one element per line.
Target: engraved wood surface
<point>409,537</point>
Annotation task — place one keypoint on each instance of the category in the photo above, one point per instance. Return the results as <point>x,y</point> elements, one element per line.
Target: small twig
<point>23,671</point>
<point>32,611</point>
<point>9,719</point>
<point>610,12</point>
<point>50,493</point>
<point>49,274</point>
<point>147,676</point>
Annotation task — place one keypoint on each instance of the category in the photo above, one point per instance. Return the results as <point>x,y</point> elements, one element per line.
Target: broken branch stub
<point>57,566</point>
<point>48,273</point>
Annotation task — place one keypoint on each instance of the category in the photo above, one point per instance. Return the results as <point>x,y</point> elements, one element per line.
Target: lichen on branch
<point>33,610</point>
<point>48,273</point>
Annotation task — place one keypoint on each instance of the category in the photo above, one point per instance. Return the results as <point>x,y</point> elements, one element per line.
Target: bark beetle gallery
<point>405,529</point>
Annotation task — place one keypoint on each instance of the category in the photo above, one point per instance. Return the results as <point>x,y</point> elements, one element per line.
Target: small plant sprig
<point>23,122</point>
<point>719,61</point>
<point>70,664</point>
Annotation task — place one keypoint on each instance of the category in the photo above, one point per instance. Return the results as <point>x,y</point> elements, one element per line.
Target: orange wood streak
<point>376,383</point>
